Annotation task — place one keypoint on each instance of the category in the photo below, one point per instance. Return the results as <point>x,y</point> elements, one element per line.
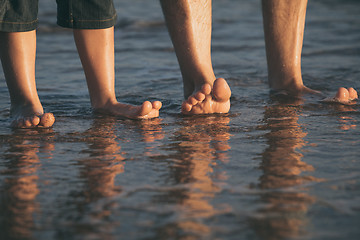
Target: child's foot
<point>207,100</point>
<point>28,118</point>
<point>147,110</point>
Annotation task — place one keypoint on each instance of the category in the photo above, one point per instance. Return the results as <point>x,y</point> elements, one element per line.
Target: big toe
<point>47,120</point>
<point>146,108</point>
<point>342,95</point>
<point>221,90</point>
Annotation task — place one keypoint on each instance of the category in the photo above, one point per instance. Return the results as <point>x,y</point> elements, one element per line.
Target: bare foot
<point>294,92</point>
<point>147,110</point>
<point>345,96</point>
<point>26,118</point>
<point>207,100</point>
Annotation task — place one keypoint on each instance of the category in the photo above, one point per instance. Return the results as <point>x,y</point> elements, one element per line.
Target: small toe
<point>186,107</point>
<point>35,121</point>
<point>192,100</point>
<point>352,93</point>
<point>20,123</point>
<point>27,123</point>
<point>156,105</point>
<point>199,96</point>
<point>206,89</point>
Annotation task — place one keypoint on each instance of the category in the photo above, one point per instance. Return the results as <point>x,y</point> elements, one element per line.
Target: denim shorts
<point>22,15</point>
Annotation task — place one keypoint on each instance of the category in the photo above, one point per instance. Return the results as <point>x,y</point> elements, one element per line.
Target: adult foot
<point>345,96</point>
<point>147,110</point>
<point>209,100</point>
<point>29,118</point>
<point>293,92</point>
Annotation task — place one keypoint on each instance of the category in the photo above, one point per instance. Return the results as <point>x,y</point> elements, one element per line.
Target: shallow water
<point>266,170</point>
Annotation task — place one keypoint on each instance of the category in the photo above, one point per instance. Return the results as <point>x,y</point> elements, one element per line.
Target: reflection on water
<point>97,199</point>
<point>20,187</point>
<point>198,145</point>
<point>193,151</point>
<point>94,201</point>
<point>345,122</point>
<point>285,213</point>
<point>104,160</point>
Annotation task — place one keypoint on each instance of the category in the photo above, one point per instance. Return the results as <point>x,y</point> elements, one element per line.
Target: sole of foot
<point>208,100</point>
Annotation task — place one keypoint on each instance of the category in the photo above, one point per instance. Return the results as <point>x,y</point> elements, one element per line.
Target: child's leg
<point>284,23</point>
<point>17,53</point>
<point>189,25</point>
<point>96,51</point>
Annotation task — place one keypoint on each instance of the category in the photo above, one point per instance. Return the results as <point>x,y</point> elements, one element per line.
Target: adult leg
<point>284,23</point>
<point>96,51</point>
<point>17,53</point>
<point>189,25</point>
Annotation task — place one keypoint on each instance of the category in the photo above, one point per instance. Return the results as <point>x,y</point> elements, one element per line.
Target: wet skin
<point>96,51</point>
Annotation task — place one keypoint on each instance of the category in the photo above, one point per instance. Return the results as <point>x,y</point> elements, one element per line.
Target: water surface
<point>267,170</point>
